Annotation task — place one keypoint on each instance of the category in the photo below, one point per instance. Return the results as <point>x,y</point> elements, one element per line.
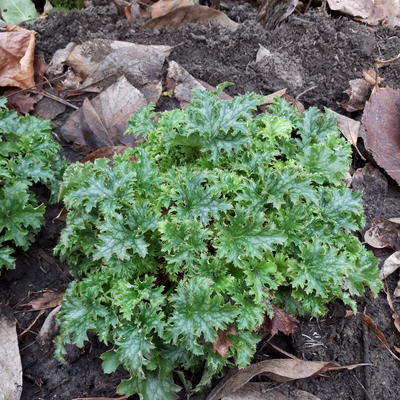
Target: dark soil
<point>315,51</point>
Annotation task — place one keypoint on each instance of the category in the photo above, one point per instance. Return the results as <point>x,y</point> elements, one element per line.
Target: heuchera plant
<point>220,216</point>
<point>28,155</point>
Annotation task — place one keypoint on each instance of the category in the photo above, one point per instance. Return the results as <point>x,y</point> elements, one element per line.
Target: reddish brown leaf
<point>383,233</point>
<point>22,102</point>
<point>164,7</point>
<point>282,321</point>
<point>40,68</point>
<point>380,336</point>
<point>371,77</point>
<point>222,344</point>
<point>381,127</point>
<point>105,152</point>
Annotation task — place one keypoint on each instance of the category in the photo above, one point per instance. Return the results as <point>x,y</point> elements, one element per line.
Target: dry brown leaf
<point>105,152</point>
<point>49,108</point>
<point>222,344</point>
<point>380,336</point>
<point>273,12</point>
<point>358,95</point>
<point>372,77</point>
<point>383,233</point>
<point>268,99</point>
<point>101,121</point>
<point>164,7</point>
<point>10,360</point>
<point>263,391</point>
<point>181,83</point>
<point>48,299</point>
<point>348,127</point>
<point>381,123</point>
<point>281,321</point>
<point>391,264</point>
<point>102,62</point>
<point>17,47</point>
<point>192,14</point>
<point>21,102</point>
<point>371,12</point>
<point>280,370</point>
<point>395,316</point>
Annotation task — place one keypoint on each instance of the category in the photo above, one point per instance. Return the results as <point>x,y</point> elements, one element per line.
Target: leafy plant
<point>28,155</point>
<point>68,4</point>
<point>221,216</point>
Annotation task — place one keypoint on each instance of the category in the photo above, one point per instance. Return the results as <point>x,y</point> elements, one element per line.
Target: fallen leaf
<point>140,64</point>
<point>263,391</point>
<point>371,325</point>
<point>59,59</point>
<point>280,370</point>
<point>391,264</point>
<point>17,11</point>
<point>371,77</point>
<point>192,14</point>
<point>371,12</point>
<point>49,108</point>
<point>17,47</point>
<point>101,121</point>
<point>104,152</point>
<point>48,299</point>
<point>272,12</point>
<point>268,99</point>
<point>281,321</point>
<point>381,127</point>
<point>383,233</point>
<point>348,127</point>
<point>164,7</point>
<point>21,102</point>
<point>10,360</point>
<point>395,316</point>
<point>222,344</point>
<point>49,329</point>
<point>358,95</point>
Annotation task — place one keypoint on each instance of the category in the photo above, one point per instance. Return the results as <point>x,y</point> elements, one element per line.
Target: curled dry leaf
<point>49,329</point>
<point>10,360</point>
<point>281,321</point>
<point>280,370</point>
<point>391,264</point>
<point>17,48</point>
<point>104,152</point>
<point>270,97</point>
<point>395,316</point>
<point>382,63</point>
<point>48,299</point>
<point>192,14</point>
<point>383,233</point>
<point>372,77</point>
<point>381,123</point>
<point>21,102</point>
<point>358,95</point>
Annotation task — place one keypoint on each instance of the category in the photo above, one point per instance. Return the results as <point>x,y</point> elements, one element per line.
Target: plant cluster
<point>28,156</point>
<point>220,215</point>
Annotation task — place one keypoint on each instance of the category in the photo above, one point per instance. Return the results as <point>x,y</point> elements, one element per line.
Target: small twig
<point>304,92</point>
<point>37,85</point>
<point>59,99</point>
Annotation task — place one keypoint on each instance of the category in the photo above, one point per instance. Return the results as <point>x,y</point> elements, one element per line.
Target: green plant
<point>220,216</point>
<point>28,155</point>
